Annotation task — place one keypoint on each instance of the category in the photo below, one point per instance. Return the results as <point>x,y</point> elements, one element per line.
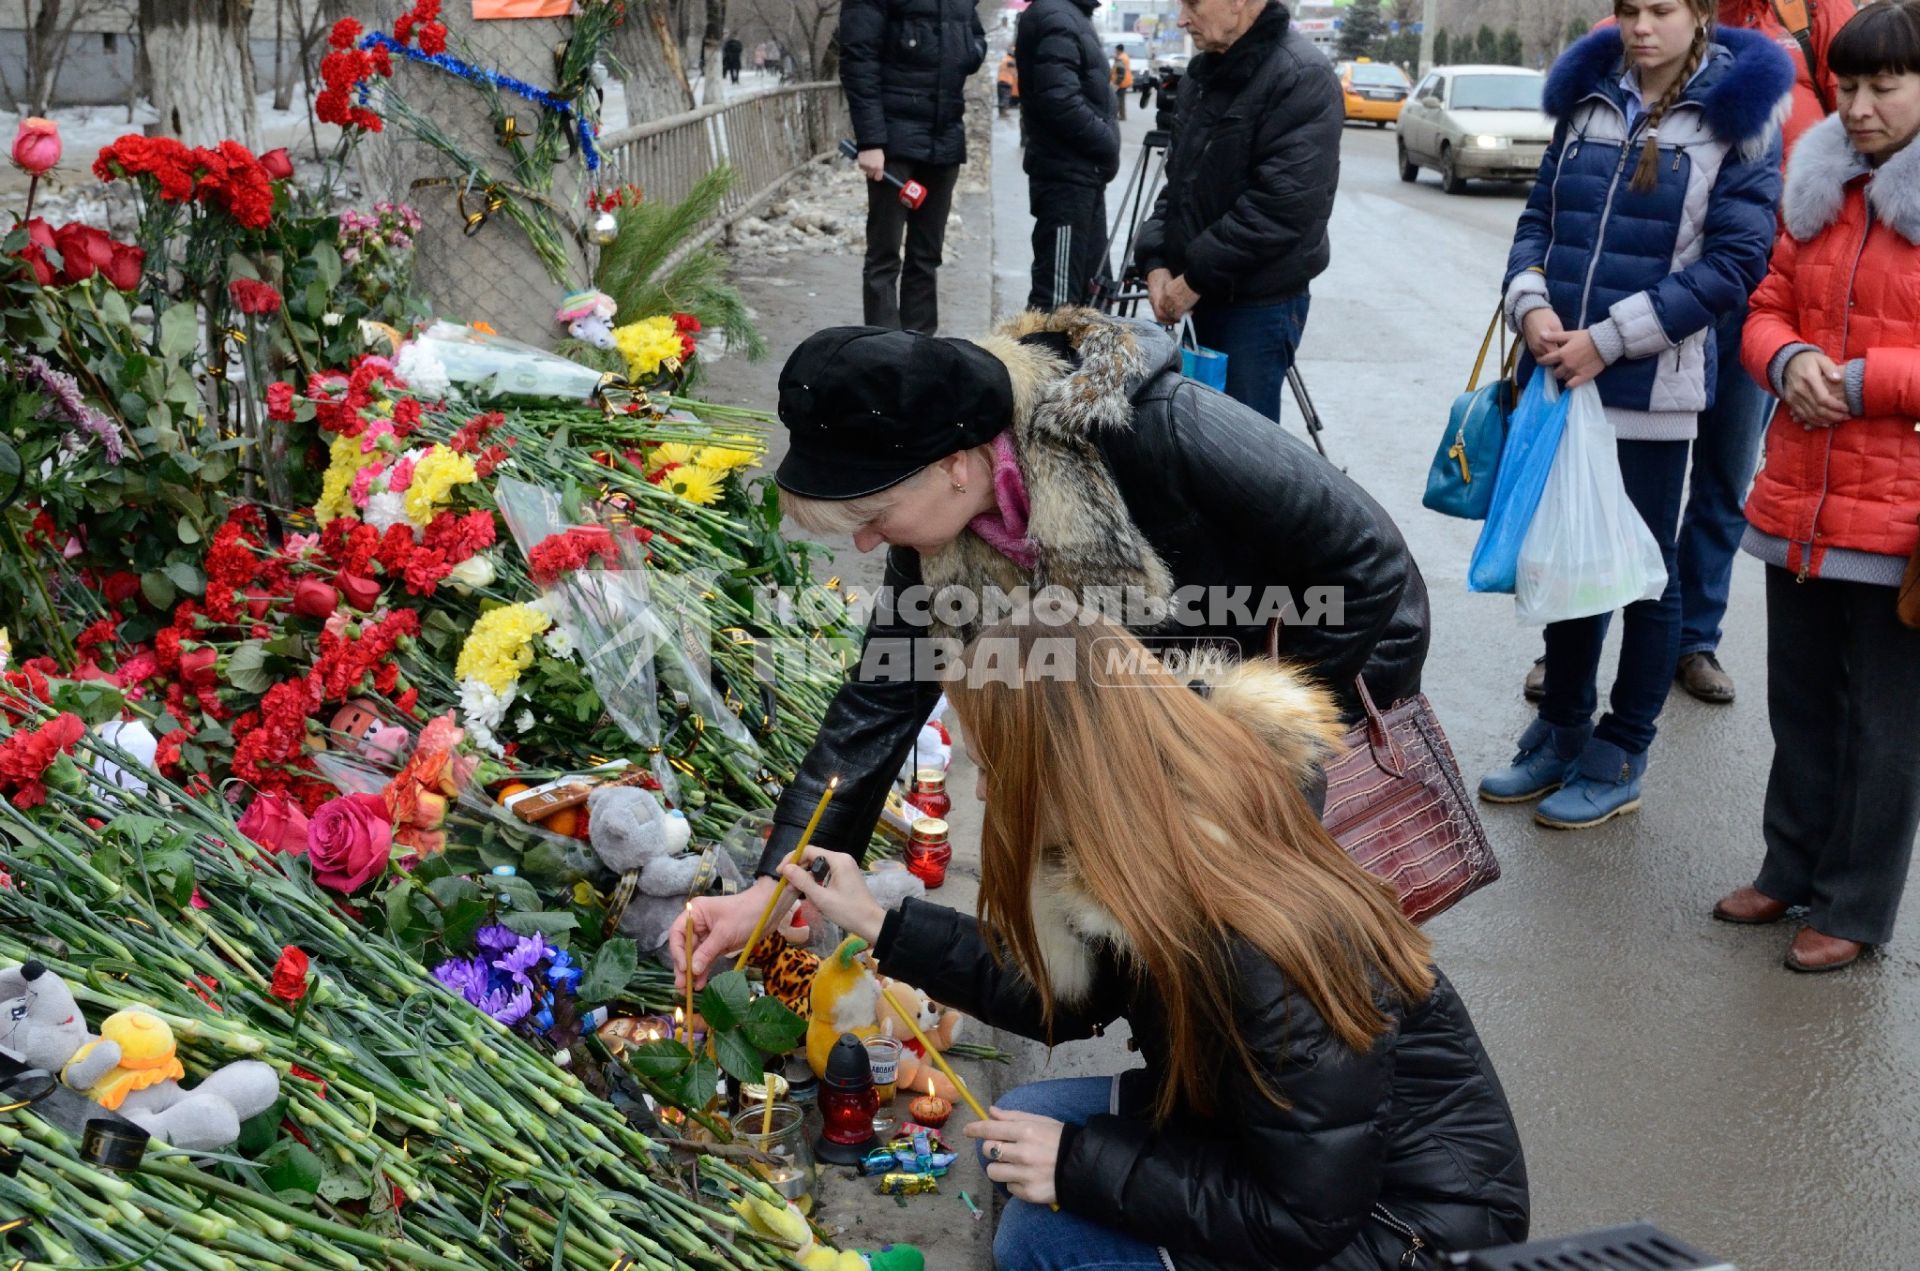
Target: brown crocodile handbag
<point>1397,804</point>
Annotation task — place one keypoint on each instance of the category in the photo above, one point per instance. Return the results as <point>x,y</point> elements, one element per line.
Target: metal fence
<point>766,138</point>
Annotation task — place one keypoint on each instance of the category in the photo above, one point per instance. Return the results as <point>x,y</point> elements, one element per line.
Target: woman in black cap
<point>1067,450</point>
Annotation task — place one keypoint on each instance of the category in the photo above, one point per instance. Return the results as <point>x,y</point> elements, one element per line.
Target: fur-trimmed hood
<point>1290,712</point>
<point>1074,372</point>
<point>1825,163</point>
<point>1744,93</point>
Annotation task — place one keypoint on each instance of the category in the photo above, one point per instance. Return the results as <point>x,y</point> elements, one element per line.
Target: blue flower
<point>465,976</point>
<point>509,1010</point>
<point>543,1019</point>
<point>495,938</point>
<point>528,953</point>
<point>563,973</point>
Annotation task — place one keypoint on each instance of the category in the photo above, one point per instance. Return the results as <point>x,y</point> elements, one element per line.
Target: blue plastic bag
<point>1533,438</point>
<point>1200,364</point>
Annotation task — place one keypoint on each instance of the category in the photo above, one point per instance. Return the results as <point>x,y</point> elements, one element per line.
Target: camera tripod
<point>1118,288</point>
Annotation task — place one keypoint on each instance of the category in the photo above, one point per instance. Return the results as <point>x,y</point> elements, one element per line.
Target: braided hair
<point>1646,172</point>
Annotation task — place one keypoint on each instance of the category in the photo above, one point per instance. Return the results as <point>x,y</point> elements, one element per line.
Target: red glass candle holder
<point>847,1104</point>
<point>928,851</point>
<point>929,793</point>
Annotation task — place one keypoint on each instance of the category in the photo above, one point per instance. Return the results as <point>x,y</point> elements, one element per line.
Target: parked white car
<point>1475,121</point>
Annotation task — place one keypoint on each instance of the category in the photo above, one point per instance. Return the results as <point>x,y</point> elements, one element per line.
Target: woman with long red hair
<point>1315,1093</point>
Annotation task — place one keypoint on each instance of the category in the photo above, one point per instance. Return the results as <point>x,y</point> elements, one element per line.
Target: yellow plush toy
<point>786,1223</point>
<point>845,1000</point>
<point>146,1057</point>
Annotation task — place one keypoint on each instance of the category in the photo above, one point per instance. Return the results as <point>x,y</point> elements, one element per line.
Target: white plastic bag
<point>1587,550</point>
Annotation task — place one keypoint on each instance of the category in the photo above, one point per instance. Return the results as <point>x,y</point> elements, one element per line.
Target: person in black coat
<point>730,58</point>
<point>1240,228</point>
<point>1314,1093</point>
<point>1073,146</point>
<point>1064,449</point>
<point>904,65</point>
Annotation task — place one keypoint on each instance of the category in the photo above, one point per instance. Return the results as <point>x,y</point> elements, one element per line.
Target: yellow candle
<point>766,1108</point>
<point>780,889</point>
<point>939,1060</point>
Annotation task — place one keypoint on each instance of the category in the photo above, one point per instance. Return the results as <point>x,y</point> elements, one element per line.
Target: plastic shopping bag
<point>1532,439</point>
<point>1588,550</point>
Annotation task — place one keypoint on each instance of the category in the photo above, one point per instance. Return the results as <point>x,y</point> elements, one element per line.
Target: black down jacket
<point>1066,93</point>
<point>1252,170</point>
<point>1155,483</point>
<point>904,65</point>
<point>1416,1134</point>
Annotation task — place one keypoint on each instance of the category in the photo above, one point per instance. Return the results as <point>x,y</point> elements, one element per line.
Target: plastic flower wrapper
<point>484,367</point>
<point>630,622</point>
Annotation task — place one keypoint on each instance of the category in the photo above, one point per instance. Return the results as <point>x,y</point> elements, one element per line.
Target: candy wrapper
<point>908,1185</point>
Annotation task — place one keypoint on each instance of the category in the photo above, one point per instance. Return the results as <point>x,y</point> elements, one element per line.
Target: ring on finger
<point>993,1153</point>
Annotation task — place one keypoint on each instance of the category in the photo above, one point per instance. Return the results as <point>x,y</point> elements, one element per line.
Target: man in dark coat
<point>904,65</point>
<point>1073,146</point>
<point>1187,509</point>
<point>1241,227</point>
<point>730,59</point>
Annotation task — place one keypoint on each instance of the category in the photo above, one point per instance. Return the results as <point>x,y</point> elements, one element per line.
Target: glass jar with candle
<point>779,1130</point>
<point>929,851</point>
<point>929,793</point>
<point>884,1054</point>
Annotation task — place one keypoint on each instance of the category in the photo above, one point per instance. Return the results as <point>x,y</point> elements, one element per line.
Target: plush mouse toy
<point>131,1067</point>
<point>632,834</point>
<point>589,317</point>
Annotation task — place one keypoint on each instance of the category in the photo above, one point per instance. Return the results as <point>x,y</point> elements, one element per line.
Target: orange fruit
<point>564,822</point>
<point>508,790</point>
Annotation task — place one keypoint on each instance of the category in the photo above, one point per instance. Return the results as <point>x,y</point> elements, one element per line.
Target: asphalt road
<point>1661,1065</point>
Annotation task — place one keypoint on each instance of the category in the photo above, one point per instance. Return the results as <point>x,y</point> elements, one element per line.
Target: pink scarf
<point>1005,528</point>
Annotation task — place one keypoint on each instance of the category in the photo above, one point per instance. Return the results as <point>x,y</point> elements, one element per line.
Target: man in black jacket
<point>904,65</point>
<point>1241,227</point>
<point>1073,146</point>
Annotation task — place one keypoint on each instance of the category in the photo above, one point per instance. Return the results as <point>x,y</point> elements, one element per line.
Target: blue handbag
<point>1460,480</point>
<point>1203,365</point>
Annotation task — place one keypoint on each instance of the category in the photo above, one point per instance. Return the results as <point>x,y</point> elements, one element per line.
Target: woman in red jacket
<point>1835,512</point>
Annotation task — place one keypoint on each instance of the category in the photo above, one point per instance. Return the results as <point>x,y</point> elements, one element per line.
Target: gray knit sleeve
<point>1777,369</point>
<point>1856,372</point>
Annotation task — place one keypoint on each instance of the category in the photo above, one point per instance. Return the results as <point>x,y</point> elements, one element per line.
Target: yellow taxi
<point>1374,91</point>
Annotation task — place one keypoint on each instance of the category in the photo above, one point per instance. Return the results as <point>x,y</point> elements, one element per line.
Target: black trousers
<point>1069,241</point>
<point>1843,798</point>
<point>906,295</point>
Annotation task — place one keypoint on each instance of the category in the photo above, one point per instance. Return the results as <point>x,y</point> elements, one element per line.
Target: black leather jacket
<point>1415,1134</point>
<point>904,65</point>
<point>1252,170</point>
<point>1230,502</point>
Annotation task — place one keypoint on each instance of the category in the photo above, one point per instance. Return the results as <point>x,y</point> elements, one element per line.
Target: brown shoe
<point>1814,952</point>
<point>1702,675</point>
<point>1535,687</point>
<point>1750,907</point>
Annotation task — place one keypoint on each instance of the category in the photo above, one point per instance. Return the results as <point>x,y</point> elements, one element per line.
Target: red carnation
<point>26,757</point>
<point>258,299</point>
<point>280,401</point>
<point>433,38</point>
<point>290,975</point>
<point>120,587</point>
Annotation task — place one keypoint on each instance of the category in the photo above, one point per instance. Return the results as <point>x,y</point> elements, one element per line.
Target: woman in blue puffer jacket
<point>1653,217</point>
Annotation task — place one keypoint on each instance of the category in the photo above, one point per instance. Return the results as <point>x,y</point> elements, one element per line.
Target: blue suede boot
<point>1605,784</point>
<point>1545,760</point>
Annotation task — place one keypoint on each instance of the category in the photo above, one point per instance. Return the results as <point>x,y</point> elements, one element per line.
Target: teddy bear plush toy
<point>632,833</point>
<point>941,1026</point>
<point>131,1067</point>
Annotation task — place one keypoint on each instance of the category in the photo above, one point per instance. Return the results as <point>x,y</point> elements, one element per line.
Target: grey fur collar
<point>1077,522</point>
<point>1823,165</point>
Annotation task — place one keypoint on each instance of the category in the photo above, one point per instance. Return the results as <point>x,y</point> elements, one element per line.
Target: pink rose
<point>276,823</point>
<point>36,147</point>
<point>349,841</point>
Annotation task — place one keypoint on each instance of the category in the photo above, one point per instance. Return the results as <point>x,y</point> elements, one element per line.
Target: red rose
<point>39,239</point>
<point>125,267</point>
<point>199,667</point>
<point>83,250</point>
<point>258,602</point>
<point>36,147</point>
<point>258,299</point>
<point>314,599</point>
<point>362,593</point>
<point>348,841</point>
<point>276,823</point>
<point>290,975</point>
<point>278,163</point>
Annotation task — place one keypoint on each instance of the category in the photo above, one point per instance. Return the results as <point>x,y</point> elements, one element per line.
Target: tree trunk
<point>494,274</point>
<point>711,37</point>
<point>656,80</point>
<point>202,69</point>
<point>282,64</point>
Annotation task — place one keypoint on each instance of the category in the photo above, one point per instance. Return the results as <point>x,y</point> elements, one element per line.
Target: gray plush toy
<point>132,1068</point>
<point>632,834</point>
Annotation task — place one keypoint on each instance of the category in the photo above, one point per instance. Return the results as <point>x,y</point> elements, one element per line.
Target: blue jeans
<point>1036,1238</point>
<point>1259,341</point>
<point>1654,472</point>
<point>1725,455</point>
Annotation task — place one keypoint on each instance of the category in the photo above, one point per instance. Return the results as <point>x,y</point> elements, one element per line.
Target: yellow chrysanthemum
<point>646,345</point>
<point>743,449</point>
<point>671,452</point>
<point>345,459</point>
<point>500,646</point>
<point>434,477</point>
<point>696,484</point>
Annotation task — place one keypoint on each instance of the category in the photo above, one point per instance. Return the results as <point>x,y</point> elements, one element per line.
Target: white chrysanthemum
<point>560,642</point>
<point>481,712</point>
<point>424,373</point>
<point>524,720</point>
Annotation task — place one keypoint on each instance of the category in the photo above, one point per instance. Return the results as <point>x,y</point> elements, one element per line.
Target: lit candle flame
<point>930,1086</point>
